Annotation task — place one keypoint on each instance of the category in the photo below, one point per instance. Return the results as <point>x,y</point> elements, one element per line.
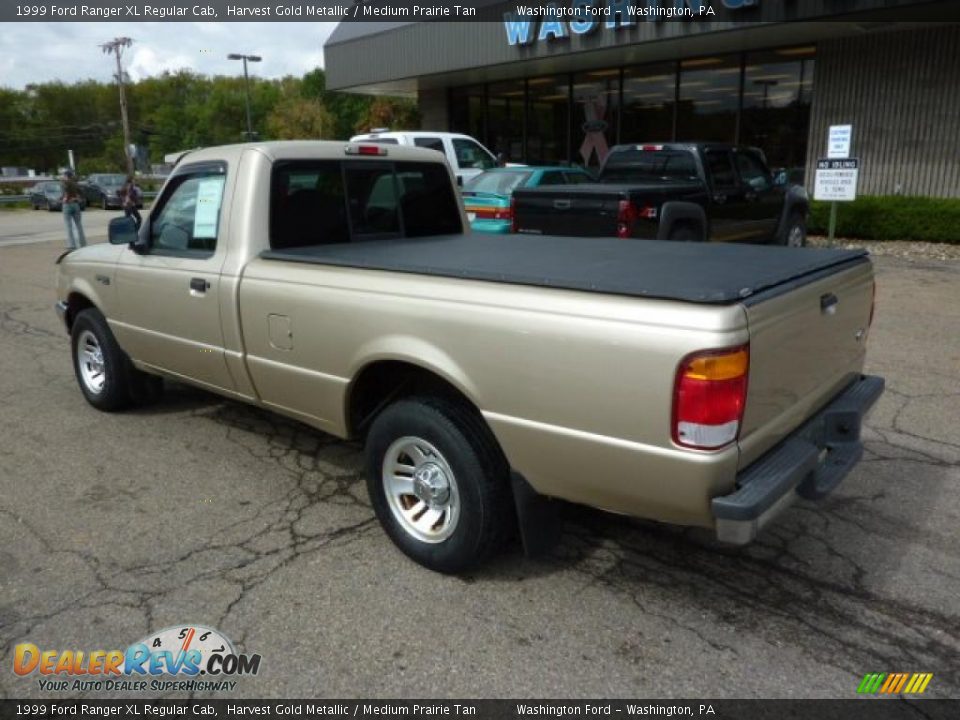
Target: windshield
<point>496,183</point>
<point>634,165</point>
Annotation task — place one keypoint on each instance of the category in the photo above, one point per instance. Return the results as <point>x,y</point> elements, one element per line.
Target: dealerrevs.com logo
<point>187,657</point>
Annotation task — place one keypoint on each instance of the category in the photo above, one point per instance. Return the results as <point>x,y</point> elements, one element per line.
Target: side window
<point>720,168</point>
<point>552,177</point>
<point>753,173</point>
<point>431,143</point>
<point>189,218</point>
<point>307,205</point>
<point>470,155</point>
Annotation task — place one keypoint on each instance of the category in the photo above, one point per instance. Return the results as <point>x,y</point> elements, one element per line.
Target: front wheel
<point>103,370</point>
<point>439,483</point>
<point>795,234</point>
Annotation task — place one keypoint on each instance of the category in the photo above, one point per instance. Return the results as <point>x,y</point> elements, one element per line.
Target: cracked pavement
<point>204,510</point>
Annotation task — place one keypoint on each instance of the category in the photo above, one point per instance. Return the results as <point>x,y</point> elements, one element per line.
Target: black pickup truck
<point>673,191</point>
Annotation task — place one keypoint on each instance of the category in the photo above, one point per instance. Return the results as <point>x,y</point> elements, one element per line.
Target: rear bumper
<point>810,463</point>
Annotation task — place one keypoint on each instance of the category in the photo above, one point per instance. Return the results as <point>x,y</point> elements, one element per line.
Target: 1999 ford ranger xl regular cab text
<point>487,375</point>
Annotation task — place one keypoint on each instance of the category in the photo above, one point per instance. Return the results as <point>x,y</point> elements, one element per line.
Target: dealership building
<point>775,74</point>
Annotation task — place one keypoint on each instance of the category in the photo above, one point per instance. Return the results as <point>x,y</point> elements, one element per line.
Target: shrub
<point>891,217</point>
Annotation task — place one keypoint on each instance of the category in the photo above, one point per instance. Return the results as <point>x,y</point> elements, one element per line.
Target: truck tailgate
<point>583,211</point>
<point>807,342</point>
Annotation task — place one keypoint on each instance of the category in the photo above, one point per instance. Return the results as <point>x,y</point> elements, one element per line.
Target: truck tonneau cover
<point>689,272</point>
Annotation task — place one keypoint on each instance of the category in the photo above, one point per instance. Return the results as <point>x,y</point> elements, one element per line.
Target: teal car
<point>486,197</point>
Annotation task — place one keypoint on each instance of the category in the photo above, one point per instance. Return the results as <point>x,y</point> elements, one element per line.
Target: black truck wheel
<point>684,232</point>
<point>439,483</point>
<point>795,232</point>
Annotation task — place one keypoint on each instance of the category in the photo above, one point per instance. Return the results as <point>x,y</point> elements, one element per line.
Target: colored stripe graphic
<point>894,683</point>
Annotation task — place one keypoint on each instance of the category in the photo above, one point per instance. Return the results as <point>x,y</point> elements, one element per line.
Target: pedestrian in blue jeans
<point>71,210</point>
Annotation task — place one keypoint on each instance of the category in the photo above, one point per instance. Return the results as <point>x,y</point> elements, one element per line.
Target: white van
<point>466,156</point>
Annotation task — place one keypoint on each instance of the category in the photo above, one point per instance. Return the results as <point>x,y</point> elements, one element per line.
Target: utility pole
<point>116,47</point>
<point>246,85</point>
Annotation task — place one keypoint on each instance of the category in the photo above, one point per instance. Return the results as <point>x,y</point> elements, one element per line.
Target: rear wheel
<point>438,483</point>
<point>684,232</point>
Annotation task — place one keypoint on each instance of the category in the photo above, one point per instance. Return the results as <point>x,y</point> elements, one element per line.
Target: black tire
<point>796,224</point>
<point>481,478</point>
<point>118,372</point>
<point>684,232</point>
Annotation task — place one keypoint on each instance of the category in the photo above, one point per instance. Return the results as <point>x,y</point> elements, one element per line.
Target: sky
<point>43,52</point>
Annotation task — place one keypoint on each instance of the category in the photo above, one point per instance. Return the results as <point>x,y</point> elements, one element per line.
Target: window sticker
<point>209,195</point>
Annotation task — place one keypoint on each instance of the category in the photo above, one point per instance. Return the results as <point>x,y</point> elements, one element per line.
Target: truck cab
<point>466,156</point>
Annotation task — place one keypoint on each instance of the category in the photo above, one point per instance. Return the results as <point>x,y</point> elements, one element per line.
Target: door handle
<point>828,304</point>
<point>199,285</point>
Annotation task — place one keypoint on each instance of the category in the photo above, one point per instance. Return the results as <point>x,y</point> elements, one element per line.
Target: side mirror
<point>780,178</point>
<point>122,231</point>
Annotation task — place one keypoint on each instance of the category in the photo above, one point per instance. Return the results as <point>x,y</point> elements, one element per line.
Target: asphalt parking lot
<point>202,510</point>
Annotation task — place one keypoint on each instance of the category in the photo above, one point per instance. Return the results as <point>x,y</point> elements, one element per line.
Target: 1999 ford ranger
<point>336,283</point>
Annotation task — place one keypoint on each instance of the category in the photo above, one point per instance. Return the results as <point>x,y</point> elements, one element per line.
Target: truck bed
<point>688,272</point>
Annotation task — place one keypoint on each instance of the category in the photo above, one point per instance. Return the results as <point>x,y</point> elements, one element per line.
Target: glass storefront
<point>760,99</point>
<point>548,122</point>
<point>708,100</point>
<point>777,91</point>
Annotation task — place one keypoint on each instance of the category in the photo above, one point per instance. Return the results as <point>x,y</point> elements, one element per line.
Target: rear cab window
<point>638,164</point>
<point>327,202</point>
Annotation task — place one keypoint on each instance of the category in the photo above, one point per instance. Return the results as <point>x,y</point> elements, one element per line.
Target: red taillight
<point>513,215</point>
<point>627,215</point>
<point>709,396</point>
<point>491,213</point>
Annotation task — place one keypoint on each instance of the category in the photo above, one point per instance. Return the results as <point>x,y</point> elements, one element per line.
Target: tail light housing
<point>514,227</point>
<point>491,213</point>
<point>709,396</point>
<point>627,215</point>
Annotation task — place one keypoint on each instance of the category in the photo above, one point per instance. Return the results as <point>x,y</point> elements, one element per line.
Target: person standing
<point>72,210</point>
<point>132,197</point>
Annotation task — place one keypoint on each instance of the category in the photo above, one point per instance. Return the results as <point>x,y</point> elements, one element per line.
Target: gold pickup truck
<point>335,283</point>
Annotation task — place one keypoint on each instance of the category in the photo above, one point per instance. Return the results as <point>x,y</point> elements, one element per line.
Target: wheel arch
<point>77,302</point>
<point>385,379</point>
<point>676,212</point>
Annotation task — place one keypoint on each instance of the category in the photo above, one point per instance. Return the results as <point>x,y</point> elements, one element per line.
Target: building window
<point>596,101</point>
<point>709,99</point>
<point>466,110</point>
<point>505,119</point>
<point>649,98</point>
<point>548,120</point>
<point>777,89</point>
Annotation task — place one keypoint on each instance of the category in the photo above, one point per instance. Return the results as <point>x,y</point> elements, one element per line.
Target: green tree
<point>392,113</point>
